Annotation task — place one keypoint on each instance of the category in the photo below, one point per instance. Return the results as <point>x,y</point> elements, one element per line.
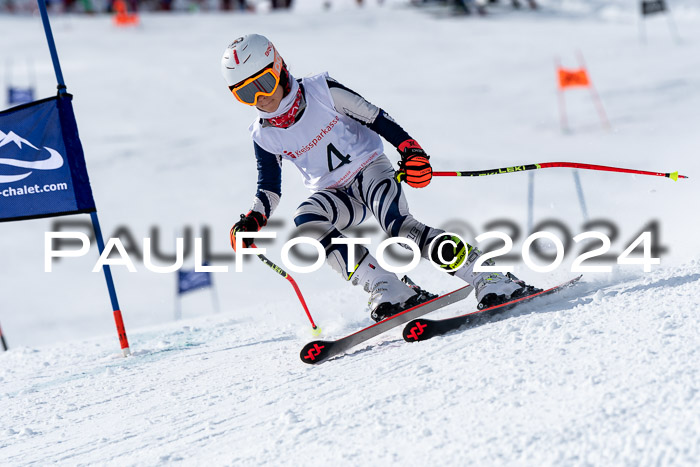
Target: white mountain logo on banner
<point>54,161</point>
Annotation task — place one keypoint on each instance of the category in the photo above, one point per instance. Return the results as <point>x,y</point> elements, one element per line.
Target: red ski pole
<point>316,330</point>
<point>548,165</point>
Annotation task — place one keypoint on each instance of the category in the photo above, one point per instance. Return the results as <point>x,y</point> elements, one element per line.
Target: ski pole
<point>315,329</point>
<point>548,165</point>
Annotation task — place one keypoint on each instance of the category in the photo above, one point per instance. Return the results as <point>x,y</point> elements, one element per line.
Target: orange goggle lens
<point>262,84</point>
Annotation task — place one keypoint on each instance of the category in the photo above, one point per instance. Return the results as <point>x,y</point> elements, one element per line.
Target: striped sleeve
<point>269,190</point>
<point>358,108</point>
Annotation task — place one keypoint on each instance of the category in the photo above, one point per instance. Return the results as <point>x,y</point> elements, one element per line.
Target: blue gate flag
<point>189,279</point>
<point>16,96</point>
<point>42,166</point>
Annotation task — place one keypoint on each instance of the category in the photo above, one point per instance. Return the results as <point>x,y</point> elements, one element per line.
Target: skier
<point>332,135</point>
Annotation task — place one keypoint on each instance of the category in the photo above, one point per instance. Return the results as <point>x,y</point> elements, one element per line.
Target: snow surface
<point>604,374</point>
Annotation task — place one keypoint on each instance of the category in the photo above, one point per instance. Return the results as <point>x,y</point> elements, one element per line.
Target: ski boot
<point>387,294</point>
<point>387,309</point>
<point>494,288</point>
<point>491,288</point>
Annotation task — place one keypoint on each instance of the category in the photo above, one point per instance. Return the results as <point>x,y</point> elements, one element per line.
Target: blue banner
<point>16,96</point>
<point>188,280</point>
<point>42,166</point>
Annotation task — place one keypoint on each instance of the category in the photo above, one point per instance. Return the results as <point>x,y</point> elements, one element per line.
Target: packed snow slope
<point>606,373</point>
<point>597,378</point>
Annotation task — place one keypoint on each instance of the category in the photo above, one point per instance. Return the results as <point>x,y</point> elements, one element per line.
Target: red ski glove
<point>414,166</point>
<point>251,222</point>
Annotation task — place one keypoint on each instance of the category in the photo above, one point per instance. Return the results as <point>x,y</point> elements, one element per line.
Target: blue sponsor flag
<point>16,96</point>
<point>189,279</point>
<point>42,166</point>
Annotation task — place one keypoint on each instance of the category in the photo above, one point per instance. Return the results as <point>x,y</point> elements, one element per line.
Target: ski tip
<point>415,330</point>
<point>315,352</point>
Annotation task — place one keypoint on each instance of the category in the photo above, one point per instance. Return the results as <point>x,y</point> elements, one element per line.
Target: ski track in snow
<point>605,373</point>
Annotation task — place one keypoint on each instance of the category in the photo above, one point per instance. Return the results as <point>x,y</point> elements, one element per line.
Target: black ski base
<point>423,329</point>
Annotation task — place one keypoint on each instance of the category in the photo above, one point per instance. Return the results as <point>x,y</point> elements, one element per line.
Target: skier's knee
<point>305,216</point>
<point>301,219</point>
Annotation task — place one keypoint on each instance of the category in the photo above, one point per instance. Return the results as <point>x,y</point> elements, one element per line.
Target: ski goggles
<point>262,84</point>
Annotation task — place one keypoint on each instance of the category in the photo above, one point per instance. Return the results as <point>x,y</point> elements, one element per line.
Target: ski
<point>318,351</point>
<point>423,329</point>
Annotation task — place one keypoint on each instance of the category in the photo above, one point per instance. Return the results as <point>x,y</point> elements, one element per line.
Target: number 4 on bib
<point>333,151</point>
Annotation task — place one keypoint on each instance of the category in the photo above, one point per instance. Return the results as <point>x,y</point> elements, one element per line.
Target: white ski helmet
<point>249,56</point>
